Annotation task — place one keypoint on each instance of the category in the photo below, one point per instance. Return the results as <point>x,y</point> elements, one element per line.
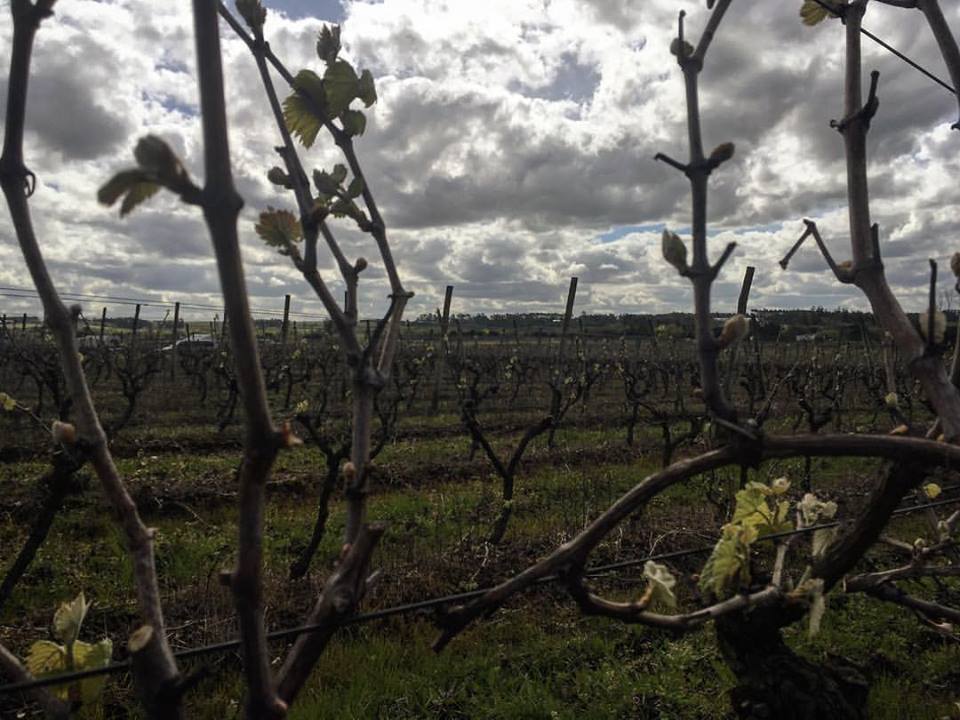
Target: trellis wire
<point>886,46</point>
<point>429,604</point>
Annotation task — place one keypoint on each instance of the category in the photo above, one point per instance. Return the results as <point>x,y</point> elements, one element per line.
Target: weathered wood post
<point>557,396</point>
<point>438,365</point>
<point>285,327</point>
<point>176,331</point>
<point>136,320</point>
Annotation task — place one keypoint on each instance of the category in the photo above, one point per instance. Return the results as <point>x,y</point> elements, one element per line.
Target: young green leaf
<point>115,187</point>
<point>134,185</point>
<point>751,504</point>
<point>661,583</point>
<point>327,184</point>
<point>46,658</point>
<point>137,194</point>
<point>279,229</point>
<point>300,120</point>
<point>728,566</point>
<point>69,618</point>
<point>339,173</point>
<point>348,208</point>
<point>340,85</point>
<point>355,188</point>
<point>814,13</point>
<point>328,43</point>
<point>90,657</point>
<point>354,122</point>
<point>812,510</point>
<point>300,110</point>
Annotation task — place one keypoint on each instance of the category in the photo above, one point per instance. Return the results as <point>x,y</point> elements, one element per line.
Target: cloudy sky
<point>511,148</point>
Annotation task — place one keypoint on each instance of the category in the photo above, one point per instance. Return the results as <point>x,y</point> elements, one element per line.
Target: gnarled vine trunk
<point>775,682</point>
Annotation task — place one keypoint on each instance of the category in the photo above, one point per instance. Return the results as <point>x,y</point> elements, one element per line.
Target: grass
<point>536,658</point>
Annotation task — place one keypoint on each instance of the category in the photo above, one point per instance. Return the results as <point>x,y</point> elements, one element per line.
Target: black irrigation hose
<point>432,603</point>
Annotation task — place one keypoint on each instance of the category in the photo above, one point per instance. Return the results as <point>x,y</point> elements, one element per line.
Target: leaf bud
<point>674,251</point>
<point>349,471</point>
<point>64,432</point>
<point>253,12</point>
<point>955,264</point>
<point>360,265</point>
<point>891,400</point>
<point>722,153</point>
<point>155,156</point>
<point>734,330</point>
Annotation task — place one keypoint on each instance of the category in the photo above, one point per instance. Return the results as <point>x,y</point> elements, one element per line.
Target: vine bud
<point>939,327</point>
<point>722,153</point>
<point>349,471</point>
<point>140,638</point>
<point>277,176</point>
<point>734,330</point>
<point>674,251</point>
<point>955,264</point>
<point>64,432</point>
<point>155,156</point>
<point>891,400</point>
<point>360,265</point>
<point>288,438</point>
<point>253,12</point>
<point>681,48</point>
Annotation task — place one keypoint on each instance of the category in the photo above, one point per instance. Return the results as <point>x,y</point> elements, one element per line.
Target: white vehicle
<point>193,343</point>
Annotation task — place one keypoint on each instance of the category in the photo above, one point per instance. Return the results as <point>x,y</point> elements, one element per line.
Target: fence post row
<point>444,326</point>
<point>285,327</point>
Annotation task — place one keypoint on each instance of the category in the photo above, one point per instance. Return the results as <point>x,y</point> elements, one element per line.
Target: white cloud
<point>509,137</point>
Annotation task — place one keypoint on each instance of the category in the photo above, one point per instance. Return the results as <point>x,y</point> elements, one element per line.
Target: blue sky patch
<point>619,232</point>
<point>329,10</point>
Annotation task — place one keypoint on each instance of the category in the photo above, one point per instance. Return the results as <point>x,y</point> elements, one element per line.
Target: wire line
<point>427,604</point>
<point>886,46</point>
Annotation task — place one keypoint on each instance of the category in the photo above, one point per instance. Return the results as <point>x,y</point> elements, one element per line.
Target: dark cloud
<point>65,107</point>
<point>508,139</point>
